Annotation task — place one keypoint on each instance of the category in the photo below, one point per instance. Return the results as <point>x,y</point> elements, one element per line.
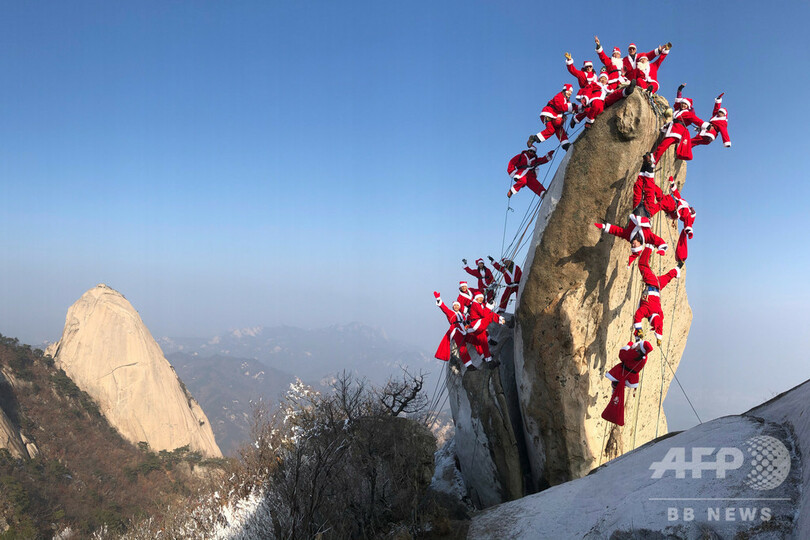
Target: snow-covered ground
<point>733,475</point>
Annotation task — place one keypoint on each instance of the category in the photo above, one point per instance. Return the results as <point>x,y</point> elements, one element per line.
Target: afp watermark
<point>764,460</point>
<point>768,462</point>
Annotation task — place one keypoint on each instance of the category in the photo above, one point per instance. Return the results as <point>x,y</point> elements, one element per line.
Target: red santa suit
<point>465,298</point>
<point>646,191</point>
<point>595,98</point>
<point>484,276</point>
<point>650,305</point>
<point>632,357</point>
<point>512,279</point>
<point>647,77</point>
<point>480,318</point>
<point>687,116</point>
<point>584,78</point>
<point>629,62</point>
<point>674,133</point>
<point>717,124</point>
<point>678,208</point>
<point>615,67</point>
<point>638,226</point>
<point>552,116</point>
<point>456,333</point>
<point>523,169</point>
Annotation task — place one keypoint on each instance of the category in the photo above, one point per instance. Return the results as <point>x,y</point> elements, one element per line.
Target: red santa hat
<point>644,347</point>
<point>722,110</point>
<point>462,284</point>
<point>479,294</point>
<point>632,45</point>
<point>568,87</point>
<point>617,50</point>
<point>587,63</point>
<point>456,303</point>
<point>604,74</point>
<point>479,261</point>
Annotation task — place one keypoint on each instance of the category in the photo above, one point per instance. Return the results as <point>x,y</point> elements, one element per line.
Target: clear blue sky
<point>311,163</point>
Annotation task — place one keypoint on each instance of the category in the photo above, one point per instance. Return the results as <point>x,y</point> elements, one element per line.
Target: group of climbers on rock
<point>618,78</point>
<point>472,312</point>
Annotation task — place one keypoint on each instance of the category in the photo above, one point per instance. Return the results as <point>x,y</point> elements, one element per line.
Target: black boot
<point>630,88</point>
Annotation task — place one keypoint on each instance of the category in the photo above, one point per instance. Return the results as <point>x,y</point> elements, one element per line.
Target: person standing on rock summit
<point>511,276</point>
<point>457,333</point>
<point>552,116</point>
<point>523,170</point>
<point>646,71</point>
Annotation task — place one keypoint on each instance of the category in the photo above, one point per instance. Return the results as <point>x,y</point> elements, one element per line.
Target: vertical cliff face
<point>110,354</point>
<point>578,297</point>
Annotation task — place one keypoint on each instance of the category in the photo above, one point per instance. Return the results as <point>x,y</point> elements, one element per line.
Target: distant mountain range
<point>225,372</point>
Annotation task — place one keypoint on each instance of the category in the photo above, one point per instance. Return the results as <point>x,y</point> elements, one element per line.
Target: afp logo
<point>768,459</point>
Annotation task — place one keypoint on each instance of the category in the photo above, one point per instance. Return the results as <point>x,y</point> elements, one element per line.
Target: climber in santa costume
<point>646,192</point>
<point>465,296</point>
<point>717,124</point>
<point>649,306</point>
<point>479,320</point>
<point>632,357</point>
<point>639,233</point>
<point>685,111</point>
<point>523,169</point>
<point>676,208</point>
<point>484,276</point>
<point>646,71</point>
<point>552,117</point>
<point>596,97</point>
<point>584,77</point>
<point>456,333</point>
<point>614,65</point>
<point>674,132</point>
<point>511,276</point>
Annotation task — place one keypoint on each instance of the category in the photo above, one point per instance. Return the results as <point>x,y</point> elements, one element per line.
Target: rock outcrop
<point>10,438</point>
<point>761,491</point>
<point>578,297</point>
<point>109,353</point>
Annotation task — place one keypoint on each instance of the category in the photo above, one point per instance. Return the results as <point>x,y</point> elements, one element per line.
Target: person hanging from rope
<point>677,208</point>
<point>674,132</point>
<point>584,77</point>
<point>552,117</point>
<point>717,124</point>
<point>649,307</point>
<point>484,276</point>
<point>596,97</point>
<point>685,112</point>
<point>646,71</point>
<point>479,320</point>
<point>511,276</point>
<point>465,296</point>
<point>456,333</point>
<point>523,169</point>
<point>632,358</point>
<point>646,193</point>
<point>639,233</point>
<point>614,65</point>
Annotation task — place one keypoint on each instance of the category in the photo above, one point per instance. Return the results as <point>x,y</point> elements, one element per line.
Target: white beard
<point>618,63</point>
<point>644,67</point>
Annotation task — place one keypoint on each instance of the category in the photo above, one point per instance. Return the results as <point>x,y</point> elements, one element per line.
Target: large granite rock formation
<point>759,490</point>
<point>578,297</point>
<point>110,354</point>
